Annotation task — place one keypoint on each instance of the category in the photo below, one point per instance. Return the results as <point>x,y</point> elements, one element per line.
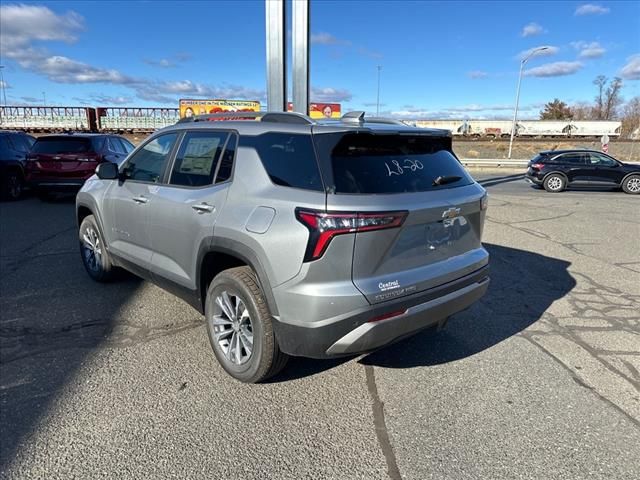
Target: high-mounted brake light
<point>324,226</point>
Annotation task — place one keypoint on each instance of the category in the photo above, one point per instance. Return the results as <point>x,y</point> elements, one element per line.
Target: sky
<point>438,59</point>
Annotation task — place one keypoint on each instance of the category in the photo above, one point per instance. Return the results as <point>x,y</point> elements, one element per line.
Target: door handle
<point>140,199</point>
<point>203,208</point>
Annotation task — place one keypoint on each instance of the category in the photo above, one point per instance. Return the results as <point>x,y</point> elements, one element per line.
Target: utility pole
<point>44,99</point>
<point>4,87</point>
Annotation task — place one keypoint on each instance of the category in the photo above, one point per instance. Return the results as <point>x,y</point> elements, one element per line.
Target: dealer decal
<point>384,286</point>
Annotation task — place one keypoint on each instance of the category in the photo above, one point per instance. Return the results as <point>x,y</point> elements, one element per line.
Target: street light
<point>3,93</point>
<point>378,94</point>
<point>515,111</point>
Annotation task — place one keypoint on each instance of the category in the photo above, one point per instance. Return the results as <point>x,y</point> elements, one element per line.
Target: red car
<point>64,162</point>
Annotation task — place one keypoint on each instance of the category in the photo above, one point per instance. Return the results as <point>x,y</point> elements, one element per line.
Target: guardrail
<point>494,162</point>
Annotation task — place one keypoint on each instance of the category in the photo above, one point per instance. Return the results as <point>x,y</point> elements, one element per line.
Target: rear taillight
<point>324,226</point>
<point>537,166</point>
<point>484,202</point>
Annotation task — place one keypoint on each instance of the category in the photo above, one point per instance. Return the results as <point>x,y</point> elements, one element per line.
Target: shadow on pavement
<point>490,182</point>
<point>523,286</point>
<point>52,316</point>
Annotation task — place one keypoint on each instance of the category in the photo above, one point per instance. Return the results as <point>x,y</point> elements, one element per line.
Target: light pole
<point>515,110</point>
<point>44,99</point>
<point>4,87</point>
<point>378,94</point>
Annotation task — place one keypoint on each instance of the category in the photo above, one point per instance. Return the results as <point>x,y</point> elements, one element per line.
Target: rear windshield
<point>367,163</point>
<point>62,145</point>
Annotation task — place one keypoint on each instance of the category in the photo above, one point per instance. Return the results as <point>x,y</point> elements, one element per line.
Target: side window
<point>148,163</point>
<point>600,160</point>
<point>289,159</point>
<point>571,159</point>
<point>127,145</point>
<point>116,146</point>
<point>197,159</point>
<point>22,143</point>
<point>226,162</point>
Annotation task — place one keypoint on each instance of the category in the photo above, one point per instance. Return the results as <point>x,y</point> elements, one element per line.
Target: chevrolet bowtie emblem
<point>451,213</point>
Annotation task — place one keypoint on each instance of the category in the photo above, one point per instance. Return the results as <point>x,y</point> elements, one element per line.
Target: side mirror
<point>107,171</point>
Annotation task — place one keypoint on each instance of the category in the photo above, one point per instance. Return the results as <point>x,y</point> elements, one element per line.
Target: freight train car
<point>39,119</point>
<point>127,119</point>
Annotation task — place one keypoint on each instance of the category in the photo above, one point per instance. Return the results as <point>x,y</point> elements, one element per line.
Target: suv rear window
<point>53,145</point>
<point>370,164</point>
<point>288,158</point>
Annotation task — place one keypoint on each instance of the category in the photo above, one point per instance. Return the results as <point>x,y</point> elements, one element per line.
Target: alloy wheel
<point>92,249</point>
<point>232,328</point>
<point>633,185</point>
<point>555,183</point>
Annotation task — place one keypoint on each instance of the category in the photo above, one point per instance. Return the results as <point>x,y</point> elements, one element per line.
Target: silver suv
<point>293,237</point>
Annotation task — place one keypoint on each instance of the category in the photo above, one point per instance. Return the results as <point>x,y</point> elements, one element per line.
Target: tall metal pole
<point>4,87</point>
<point>276,56</point>
<point>300,60</point>
<point>515,110</point>
<point>44,99</point>
<point>378,94</point>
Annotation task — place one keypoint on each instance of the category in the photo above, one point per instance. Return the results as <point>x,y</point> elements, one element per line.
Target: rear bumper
<point>533,178</point>
<point>358,334</point>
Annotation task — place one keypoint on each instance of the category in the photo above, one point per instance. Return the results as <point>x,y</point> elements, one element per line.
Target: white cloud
<point>324,38</point>
<point>169,62</point>
<point>551,50</point>
<point>591,9</point>
<point>328,94</point>
<point>631,71</point>
<point>555,69</point>
<point>477,74</point>
<point>589,50</point>
<point>532,29</point>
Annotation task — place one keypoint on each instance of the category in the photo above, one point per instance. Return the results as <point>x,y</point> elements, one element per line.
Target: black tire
<point>631,184</point>
<point>554,183</point>
<point>265,358</point>
<point>12,185</point>
<point>98,266</point>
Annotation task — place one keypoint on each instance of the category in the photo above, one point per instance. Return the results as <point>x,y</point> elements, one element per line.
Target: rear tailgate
<point>440,238</point>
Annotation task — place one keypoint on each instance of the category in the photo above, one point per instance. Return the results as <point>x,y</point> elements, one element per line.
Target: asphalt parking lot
<point>538,380</point>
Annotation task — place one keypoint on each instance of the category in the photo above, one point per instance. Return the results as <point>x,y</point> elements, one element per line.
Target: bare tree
<point>612,99</point>
<point>631,117</point>
<point>600,82</point>
<point>583,111</point>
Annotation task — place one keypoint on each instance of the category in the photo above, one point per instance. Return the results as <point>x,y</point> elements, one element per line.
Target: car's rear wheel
<point>240,327</point>
<point>554,183</point>
<point>12,185</point>
<point>95,256</point>
<point>631,184</point>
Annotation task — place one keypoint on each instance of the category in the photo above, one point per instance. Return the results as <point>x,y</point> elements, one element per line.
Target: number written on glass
<point>407,166</point>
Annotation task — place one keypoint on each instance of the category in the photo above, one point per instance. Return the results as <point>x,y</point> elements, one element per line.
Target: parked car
<point>555,170</point>
<point>293,237</point>
<point>64,162</point>
<point>14,147</point>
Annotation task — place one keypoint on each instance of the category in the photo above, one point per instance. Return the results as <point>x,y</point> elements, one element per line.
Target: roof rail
<point>389,121</point>
<point>276,117</point>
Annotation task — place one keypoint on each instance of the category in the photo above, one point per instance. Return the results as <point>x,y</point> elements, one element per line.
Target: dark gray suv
<point>293,237</point>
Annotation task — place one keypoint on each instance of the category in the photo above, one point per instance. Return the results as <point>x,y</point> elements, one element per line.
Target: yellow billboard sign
<point>190,107</point>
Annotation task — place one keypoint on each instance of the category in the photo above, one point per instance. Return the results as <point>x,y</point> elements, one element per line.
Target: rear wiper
<point>442,180</point>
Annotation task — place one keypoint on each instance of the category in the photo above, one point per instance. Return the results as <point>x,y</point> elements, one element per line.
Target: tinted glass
<point>127,145</point>
<point>226,163</point>
<point>116,146</point>
<point>364,163</point>
<point>5,147</point>
<point>571,159</point>
<point>21,143</point>
<point>289,159</point>
<point>197,159</point>
<point>147,164</point>
<point>600,160</point>
<point>54,145</point>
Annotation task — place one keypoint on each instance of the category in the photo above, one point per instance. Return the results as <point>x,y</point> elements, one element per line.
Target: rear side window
<point>370,164</point>
<point>116,146</point>
<point>572,159</point>
<point>226,162</point>
<point>289,159</point>
<point>22,143</point>
<point>54,145</point>
<point>197,158</point>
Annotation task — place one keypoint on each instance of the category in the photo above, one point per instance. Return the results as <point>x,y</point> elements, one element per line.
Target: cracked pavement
<point>538,380</point>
